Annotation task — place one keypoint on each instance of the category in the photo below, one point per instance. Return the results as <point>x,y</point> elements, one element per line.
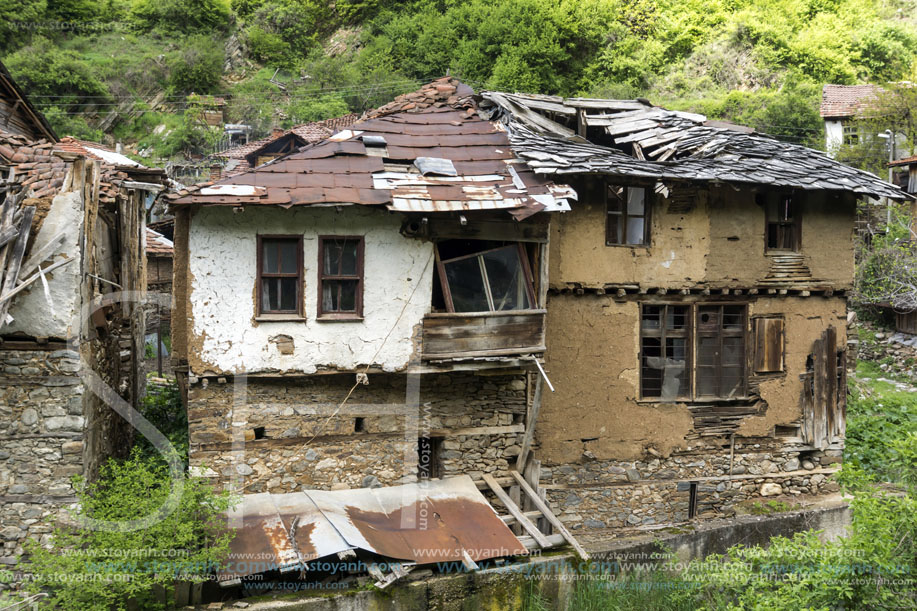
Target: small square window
<point>340,281</point>
<point>627,216</point>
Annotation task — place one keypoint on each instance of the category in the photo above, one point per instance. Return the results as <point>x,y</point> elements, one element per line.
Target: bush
<point>104,570</point>
<point>197,68</point>
<point>47,72</point>
<point>183,16</point>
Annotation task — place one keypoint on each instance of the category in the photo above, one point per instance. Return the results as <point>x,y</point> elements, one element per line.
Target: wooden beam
<point>532,418</point>
<point>554,520</point>
<point>516,512</point>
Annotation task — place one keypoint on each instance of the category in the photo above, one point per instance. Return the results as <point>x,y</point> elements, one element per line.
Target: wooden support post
<point>531,420</point>
<point>555,522</point>
<point>517,513</point>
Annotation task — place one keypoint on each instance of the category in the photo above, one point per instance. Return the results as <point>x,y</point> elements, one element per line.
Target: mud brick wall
<point>41,448</point>
<point>625,494</point>
<point>286,434</point>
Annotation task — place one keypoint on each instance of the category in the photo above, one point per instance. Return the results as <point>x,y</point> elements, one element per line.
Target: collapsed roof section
<point>287,531</point>
<point>428,151</point>
<point>634,139</point>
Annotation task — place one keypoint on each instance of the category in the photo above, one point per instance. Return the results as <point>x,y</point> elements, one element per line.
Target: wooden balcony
<point>486,334</point>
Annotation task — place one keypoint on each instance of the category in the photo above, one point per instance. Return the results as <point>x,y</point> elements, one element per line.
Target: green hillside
<point>121,70</point>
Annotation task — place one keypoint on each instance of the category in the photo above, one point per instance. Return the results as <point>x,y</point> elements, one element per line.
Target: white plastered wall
<point>30,310</point>
<point>834,135</point>
<point>222,262</point>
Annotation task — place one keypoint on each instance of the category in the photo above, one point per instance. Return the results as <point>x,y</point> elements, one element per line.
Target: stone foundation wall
<point>41,448</point>
<point>622,494</point>
<point>286,434</point>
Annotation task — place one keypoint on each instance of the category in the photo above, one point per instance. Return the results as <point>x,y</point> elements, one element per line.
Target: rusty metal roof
<point>424,523</point>
<point>403,157</point>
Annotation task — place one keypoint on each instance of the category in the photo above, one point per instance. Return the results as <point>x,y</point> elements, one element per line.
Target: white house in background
<point>840,105</point>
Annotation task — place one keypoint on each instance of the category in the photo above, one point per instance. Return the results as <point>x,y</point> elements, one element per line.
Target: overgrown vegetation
<point>95,569</point>
<point>756,62</point>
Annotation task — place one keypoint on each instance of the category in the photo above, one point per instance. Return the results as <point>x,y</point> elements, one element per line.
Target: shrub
<point>196,68</point>
<point>104,570</point>
<point>184,16</point>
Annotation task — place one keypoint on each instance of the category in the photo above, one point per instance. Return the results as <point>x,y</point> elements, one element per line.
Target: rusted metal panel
<point>426,522</point>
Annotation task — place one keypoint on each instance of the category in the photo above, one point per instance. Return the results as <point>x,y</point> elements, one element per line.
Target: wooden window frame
<point>357,314</point>
<point>693,335</point>
<point>646,216</point>
<point>662,333</point>
<point>720,334</point>
<point>298,312</point>
<point>796,224</point>
<point>526,271</point>
<point>850,134</point>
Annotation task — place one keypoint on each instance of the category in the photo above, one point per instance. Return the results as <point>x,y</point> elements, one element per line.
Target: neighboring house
<point>71,235</point>
<point>279,143</point>
<point>159,253</point>
<point>399,301</point>
<point>840,107</point>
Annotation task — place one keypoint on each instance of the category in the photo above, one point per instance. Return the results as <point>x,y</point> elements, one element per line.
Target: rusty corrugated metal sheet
<point>427,522</point>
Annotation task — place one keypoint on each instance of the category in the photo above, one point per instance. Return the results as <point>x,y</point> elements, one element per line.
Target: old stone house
<point>72,237</point>
<point>656,334</point>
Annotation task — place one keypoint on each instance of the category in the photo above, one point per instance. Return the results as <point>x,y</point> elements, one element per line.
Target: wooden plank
<point>517,332</point>
<point>37,257</point>
<point>819,433</point>
<point>531,420</point>
<point>555,522</point>
<point>769,334</point>
<point>516,512</point>
<point>830,382</point>
<point>15,260</point>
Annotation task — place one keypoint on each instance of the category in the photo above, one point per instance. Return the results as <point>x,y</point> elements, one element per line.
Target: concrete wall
<point>223,335</point>
<point>310,441</point>
<point>718,241</point>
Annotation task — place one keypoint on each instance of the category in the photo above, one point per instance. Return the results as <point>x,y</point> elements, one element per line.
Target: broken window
<point>668,355</point>
<point>783,222</point>
<point>627,216</point>
<point>664,350</point>
<point>485,279</point>
<point>280,274</point>
<point>340,281</point>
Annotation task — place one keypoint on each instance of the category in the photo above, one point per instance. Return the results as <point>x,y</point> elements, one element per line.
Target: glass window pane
<point>676,317</point>
<point>651,314</point>
<point>706,351</point>
<point>674,382</point>
<point>733,352</point>
<point>506,278</point>
<point>348,295</point>
<point>635,200</point>
<point>731,385</point>
<point>635,230</point>
<point>287,293</point>
<point>331,258</point>
<point>269,256</point>
<point>466,284</point>
<point>288,259</point>
<point>706,381</point>
<point>270,295</point>
<point>615,199</point>
<point>732,317</point>
<point>614,229</point>
<point>708,318</point>
<point>652,370</point>
<point>349,258</point>
<point>330,295</point>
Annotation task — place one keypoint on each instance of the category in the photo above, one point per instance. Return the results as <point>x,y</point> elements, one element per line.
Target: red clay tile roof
<point>157,244</point>
<point>37,170</point>
<point>383,160</point>
<point>841,101</point>
<point>310,132</point>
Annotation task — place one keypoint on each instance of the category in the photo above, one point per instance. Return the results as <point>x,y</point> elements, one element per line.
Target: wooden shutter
<point>768,345</point>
